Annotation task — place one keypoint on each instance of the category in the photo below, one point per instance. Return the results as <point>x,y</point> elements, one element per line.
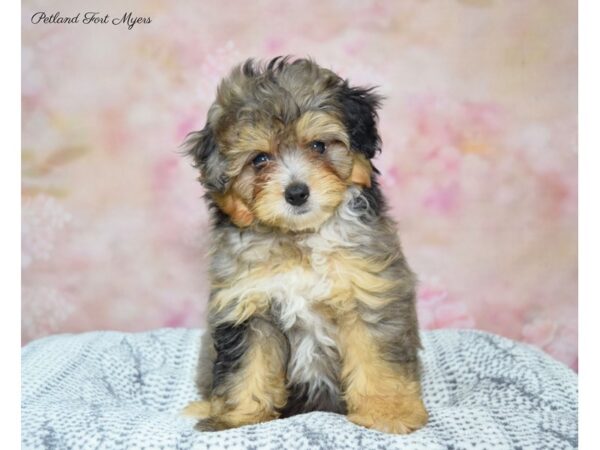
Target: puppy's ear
<point>200,144</point>
<point>202,147</point>
<point>359,107</point>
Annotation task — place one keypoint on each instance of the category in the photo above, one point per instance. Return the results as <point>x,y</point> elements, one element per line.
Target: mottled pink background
<point>479,161</point>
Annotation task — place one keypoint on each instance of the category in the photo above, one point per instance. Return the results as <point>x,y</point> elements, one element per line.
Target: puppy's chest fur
<point>293,281</point>
<point>299,301</point>
<point>302,284</point>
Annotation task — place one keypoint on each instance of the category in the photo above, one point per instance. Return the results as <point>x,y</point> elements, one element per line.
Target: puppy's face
<point>292,176</point>
<point>283,143</point>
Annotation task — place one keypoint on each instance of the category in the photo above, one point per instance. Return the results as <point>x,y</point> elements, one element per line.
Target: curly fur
<point>312,305</point>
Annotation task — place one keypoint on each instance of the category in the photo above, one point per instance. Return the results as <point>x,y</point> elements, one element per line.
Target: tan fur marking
<point>249,139</point>
<point>378,395</point>
<point>198,410</point>
<point>314,125</point>
<point>361,171</point>
<point>235,208</point>
<point>358,278</point>
<point>248,303</point>
<point>249,290</point>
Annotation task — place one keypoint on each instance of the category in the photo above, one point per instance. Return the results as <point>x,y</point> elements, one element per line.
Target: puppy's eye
<point>261,159</point>
<point>318,146</point>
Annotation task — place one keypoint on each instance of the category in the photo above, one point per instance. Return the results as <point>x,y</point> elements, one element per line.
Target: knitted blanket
<point>109,390</point>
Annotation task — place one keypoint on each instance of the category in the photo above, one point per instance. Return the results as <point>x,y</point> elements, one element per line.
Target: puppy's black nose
<point>296,194</point>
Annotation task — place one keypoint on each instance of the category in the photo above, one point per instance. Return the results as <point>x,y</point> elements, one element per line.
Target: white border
<point>10,204</point>
<point>589,221</point>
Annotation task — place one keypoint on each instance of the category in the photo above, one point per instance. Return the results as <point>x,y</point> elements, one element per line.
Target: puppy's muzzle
<point>296,194</point>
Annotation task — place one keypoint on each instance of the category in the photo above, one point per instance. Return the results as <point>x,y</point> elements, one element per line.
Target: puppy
<point>312,304</point>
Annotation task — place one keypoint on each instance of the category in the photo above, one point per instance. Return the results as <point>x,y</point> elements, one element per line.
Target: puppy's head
<point>283,142</point>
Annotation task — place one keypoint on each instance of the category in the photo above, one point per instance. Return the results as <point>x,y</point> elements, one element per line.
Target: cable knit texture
<point>111,390</point>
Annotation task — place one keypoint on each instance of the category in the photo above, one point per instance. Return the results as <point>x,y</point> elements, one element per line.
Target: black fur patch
<point>374,197</point>
<point>230,343</point>
<point>370,204</point>
<point>359,106</point>
<point>219,218</point>
<point>200,145</point>
<point>299,402</point>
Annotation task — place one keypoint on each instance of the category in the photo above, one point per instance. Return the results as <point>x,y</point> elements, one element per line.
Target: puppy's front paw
<point>213,416</point>
<point>199,410</point>
<point>398,416</point>
<point>225,422</point>
<point>211,424</point>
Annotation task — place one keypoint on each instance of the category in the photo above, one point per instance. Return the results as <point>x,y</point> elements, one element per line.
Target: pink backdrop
<point>479,159</point>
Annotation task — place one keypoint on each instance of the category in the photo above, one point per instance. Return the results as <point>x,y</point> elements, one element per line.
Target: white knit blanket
<point>108,390</point>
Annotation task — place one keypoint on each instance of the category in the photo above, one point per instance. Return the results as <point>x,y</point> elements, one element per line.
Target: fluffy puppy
<point>312,304</point>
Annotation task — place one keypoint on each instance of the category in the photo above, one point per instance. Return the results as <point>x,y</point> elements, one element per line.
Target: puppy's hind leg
<point>248,377</point>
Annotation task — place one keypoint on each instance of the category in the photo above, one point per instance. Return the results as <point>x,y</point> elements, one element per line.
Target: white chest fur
<point>312,337</point>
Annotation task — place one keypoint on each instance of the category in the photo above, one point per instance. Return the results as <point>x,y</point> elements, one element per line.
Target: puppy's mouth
<point>300,210</point>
